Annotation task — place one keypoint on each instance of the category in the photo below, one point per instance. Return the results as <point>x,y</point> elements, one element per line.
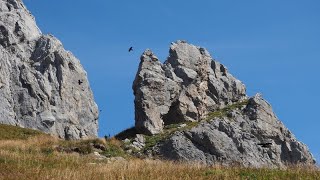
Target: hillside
<point>193,118</point>
<point>29,154</point>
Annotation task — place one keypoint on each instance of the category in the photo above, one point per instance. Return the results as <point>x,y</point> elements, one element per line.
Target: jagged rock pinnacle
<point>185,88</point>
<point>227,127</point>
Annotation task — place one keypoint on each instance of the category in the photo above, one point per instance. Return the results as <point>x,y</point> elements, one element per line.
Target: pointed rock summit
<point>202,113</point>
<point>186,87</point>
<point>39,86</point>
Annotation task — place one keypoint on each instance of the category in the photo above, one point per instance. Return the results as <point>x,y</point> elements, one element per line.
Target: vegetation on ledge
<point>172,128</point>
<point>224,111</point>
<point>152,140</point>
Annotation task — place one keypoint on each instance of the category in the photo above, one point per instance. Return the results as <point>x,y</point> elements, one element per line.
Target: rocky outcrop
<point>250,136</point>
<point>212,120</point>
<point>185,88</point>
<point>42,86</point>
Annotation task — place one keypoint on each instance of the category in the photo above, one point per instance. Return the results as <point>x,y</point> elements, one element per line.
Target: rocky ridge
<point>191,109</point>
<point>42,86</point>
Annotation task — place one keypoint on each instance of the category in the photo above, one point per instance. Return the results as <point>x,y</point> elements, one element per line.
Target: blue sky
<point>272,46</point>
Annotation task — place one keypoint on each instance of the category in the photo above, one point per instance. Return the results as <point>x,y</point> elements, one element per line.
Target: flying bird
<point>130,49</point>
<point>265,144</point>
<point>80,82</point>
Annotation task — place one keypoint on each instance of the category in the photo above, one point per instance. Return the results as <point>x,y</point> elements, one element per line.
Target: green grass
<point>224,112</point>
<point>8,132</point>
<point>153,140</point>
<point>115,149</point>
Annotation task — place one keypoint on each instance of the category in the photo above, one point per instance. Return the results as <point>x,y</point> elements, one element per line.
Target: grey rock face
<point>42,86</point>
<point>251,136</point>
<point>190,85</point>
<point>185,88</point>
<point>138,142</point>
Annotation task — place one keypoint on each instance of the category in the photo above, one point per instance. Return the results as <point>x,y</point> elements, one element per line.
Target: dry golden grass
<point>76,167</point>
<point>35,158</point>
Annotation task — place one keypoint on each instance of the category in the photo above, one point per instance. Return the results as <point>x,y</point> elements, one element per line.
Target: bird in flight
<point>80,82</point>
<point>130,49</point>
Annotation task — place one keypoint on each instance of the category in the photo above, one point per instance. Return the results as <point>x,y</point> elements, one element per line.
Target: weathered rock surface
<point>251,136</point>
<point>42,86</point>
<point>185,88</point>
<point>190,85</point>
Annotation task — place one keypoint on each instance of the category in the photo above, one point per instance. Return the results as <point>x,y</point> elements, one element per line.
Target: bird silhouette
<point>80,82</point>
<point>130,49</point>
<point>265,144</point>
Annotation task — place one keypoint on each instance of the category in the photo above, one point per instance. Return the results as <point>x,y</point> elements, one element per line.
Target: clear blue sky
<point>272,46</point>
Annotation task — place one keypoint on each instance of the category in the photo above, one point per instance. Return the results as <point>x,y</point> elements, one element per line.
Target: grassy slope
<point>29,154</point>
<point>8,132</point>
<point>28,159</point>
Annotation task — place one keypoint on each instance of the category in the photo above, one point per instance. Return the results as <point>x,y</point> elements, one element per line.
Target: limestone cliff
<point>42,86</point>
<point>185,88</point>
<point>197,111</point>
